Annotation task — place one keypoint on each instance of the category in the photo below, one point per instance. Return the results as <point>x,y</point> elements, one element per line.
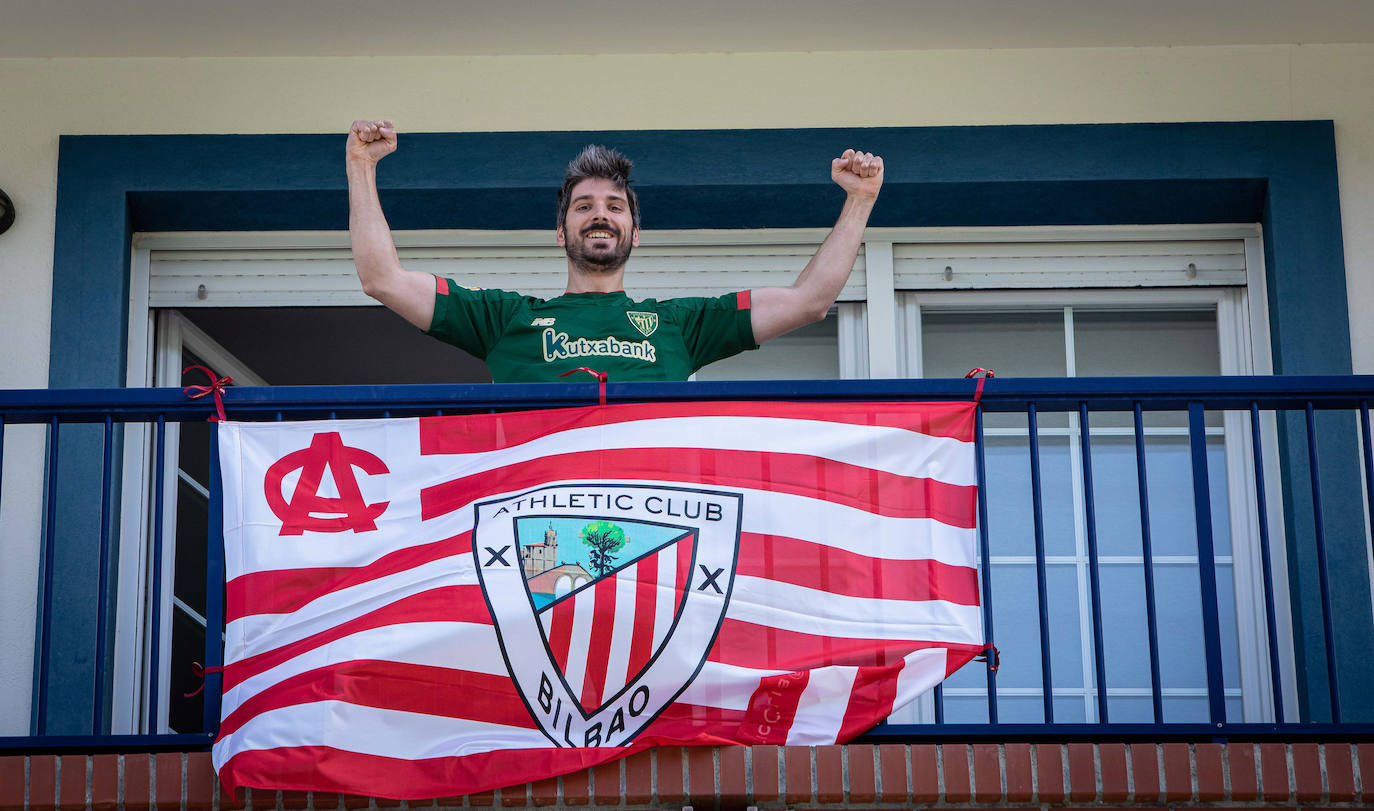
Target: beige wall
<point>42,99</point>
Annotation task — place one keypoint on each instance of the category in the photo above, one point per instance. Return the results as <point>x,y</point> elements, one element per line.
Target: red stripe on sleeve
<point>441,285</point>
<point>742,300</point>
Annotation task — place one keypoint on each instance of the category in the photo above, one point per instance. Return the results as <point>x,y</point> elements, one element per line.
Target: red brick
<point>1020,784</point>
<point>382,802</point>
<point>830,774</point>
<point>765,760</point>
<point>1240,757</point>
<point>1145,770</point>
<point>1049,773</point>
<point>798,762</point>
<point>1082,773</point>
<point>42,782</point>
<point>1307,772</point>
<point>168,796</point>
<point>1274,772</point>
<point>12,783</point>
<point>323,801</point>
<point>200,782</point>
<point>105,782</point>
<point>137,775</point>
<point>957,788</point>
<point>1340,779</point>
<point>892,767</point>
<point>575,789</point>
<point>669,772</point>
<point>73,782</point>
<point>701,774</point>
<point>606,783</point>
<point>1111,759</point>
<point>482,799</point>
<point>734,785</point>
<point>543,792</point>
<point>987,773</point>
<point>296,800</point>
<point>1211,779</point>
<point>517,795</point>
<point>863,787</point>
<point>925,775</point>
<point>351,801</point>
<point>239,799</point>
<point>639,778</point>
<point>1178,778</point>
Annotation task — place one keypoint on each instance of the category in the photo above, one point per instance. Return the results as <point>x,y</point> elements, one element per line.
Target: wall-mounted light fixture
<point>6,212</point>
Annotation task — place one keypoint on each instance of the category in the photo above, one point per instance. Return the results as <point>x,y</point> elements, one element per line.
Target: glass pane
<point>1185,709</point>
<point>1115,343</point>
<point>188,646</point>
<point>1182,658</point>
<point>1016,625</point>
<point>193,456</point>
<point>1011,343</point>
<point>1116,495</point>
<point>809,353</point>
<point>192,526</point>
<point>966,709</point>
<point>1125,640</point>
<point>1070,710</point>
<point>1130,709</point>
<point>1011,517</point>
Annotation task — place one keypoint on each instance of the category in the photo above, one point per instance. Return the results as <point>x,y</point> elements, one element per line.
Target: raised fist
<point>858,173</point>
<point>370,140</point>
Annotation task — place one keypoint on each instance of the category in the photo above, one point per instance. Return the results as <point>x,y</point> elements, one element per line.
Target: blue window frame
<point>1281,174</point>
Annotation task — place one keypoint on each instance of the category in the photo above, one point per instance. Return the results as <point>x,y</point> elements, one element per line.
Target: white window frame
<point>872,326</point>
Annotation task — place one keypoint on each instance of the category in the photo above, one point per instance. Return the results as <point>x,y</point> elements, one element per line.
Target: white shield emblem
<point>646,323</point>
<point>606,598</point>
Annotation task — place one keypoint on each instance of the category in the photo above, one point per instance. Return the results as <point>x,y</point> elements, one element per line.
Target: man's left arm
<point>775,310</point>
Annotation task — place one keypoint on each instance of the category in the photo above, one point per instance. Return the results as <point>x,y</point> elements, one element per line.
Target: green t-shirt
<point>525,339</point>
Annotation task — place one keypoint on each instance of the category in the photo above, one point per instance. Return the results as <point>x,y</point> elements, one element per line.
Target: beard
<point>598,260</point>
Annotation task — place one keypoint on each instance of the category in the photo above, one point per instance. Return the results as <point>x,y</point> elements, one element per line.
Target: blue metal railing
<point>1296,402</point>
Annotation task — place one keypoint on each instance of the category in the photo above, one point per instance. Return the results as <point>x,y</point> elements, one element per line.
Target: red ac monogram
<point>349,511</point>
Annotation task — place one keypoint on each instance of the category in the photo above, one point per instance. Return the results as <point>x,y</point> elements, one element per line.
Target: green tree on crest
<point>604,539</point>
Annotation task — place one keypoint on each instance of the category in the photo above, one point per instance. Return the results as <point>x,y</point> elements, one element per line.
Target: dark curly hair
<point>598,161</point>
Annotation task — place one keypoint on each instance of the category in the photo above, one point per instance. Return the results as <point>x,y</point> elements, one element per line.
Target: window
<point>921,303</point>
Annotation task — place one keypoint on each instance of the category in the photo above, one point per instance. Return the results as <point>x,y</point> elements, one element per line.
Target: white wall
<point>41,99</point>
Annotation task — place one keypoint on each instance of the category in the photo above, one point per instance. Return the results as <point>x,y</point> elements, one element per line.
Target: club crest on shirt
<point>606,598</point>
<point>646,323</point>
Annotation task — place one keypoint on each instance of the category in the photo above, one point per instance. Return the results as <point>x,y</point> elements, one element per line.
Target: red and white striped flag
<point>438,606</point>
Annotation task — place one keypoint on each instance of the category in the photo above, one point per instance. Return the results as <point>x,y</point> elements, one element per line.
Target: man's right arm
<point>408,293</point>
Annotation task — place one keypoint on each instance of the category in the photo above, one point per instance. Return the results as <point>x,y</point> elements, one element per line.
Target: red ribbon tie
<point>982,374</point>
<point>216,388</point>
<point>600,378</point>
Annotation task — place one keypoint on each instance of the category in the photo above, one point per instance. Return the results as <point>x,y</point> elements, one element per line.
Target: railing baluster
<point>1094,575</point>
<point>45,600</point>
<point>1147,550</point>
<point>1041,584</point>
<point>1319,525</point>
<point>986,555</point>
<point>214,593</point>
<point>155,594</point>
<point>102,590</point>
<point>1206,563</point>
<point>1257,441</point>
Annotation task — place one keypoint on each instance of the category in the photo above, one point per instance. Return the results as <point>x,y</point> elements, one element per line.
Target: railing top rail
<point>999,394</point>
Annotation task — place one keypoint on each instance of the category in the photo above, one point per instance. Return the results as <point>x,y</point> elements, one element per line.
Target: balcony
<point>1162,558</point>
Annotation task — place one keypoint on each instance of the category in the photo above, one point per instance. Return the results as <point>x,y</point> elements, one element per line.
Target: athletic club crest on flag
<point>605,629</point>
<point>432,607</point>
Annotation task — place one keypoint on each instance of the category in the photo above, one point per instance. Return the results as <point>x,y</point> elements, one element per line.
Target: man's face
<point>598,231</point>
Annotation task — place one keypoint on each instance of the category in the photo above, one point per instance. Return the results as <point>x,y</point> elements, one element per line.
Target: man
<point>594,324</point>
